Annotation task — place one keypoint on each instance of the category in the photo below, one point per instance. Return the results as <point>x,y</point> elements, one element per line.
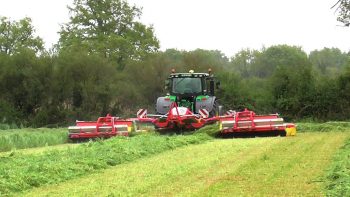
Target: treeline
<point>286,80</point>
<point>43,90</point>
<point>110,63</point>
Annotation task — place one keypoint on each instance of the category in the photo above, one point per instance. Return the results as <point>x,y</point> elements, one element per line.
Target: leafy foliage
<point>109,28</point>
<point>106,62</point>
<point>329,62</point>
<point>44,90</point>
<point>343,8</point>
<point>17,35</point>
<point>242,62</point>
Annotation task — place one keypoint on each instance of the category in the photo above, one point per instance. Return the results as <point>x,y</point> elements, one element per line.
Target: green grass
<point>323,127</point>
<point>238,167</point>
<point>39,150</point>
<point>19,172</point>
<point>29,138</point>
<point>338,177</point>
<point>273,166</point>
<point>211,130</point>
<point>8,126</point>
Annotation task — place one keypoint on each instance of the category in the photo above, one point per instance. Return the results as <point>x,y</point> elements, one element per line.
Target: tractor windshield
<point>187,85</point>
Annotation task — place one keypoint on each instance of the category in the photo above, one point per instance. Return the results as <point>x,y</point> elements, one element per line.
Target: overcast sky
<point>225,25</point>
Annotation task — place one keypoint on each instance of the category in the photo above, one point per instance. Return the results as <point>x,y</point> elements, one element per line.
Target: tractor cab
<point>192,90</point>
<point>193,85</point>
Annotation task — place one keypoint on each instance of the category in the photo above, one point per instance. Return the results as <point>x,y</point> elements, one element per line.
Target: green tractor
<point>195,91</point>
<point>190,104</point>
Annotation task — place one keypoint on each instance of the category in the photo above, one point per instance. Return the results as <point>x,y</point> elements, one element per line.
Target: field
<point>30,138</point>
<point>313,163</point>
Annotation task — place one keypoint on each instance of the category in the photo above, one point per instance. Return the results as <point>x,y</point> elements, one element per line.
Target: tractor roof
<point>184,75</point>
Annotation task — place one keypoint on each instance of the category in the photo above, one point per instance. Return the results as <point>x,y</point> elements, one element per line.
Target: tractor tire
<point>216,109</point>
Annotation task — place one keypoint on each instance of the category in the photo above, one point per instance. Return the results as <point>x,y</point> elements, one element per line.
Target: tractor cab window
<point>187,85</point>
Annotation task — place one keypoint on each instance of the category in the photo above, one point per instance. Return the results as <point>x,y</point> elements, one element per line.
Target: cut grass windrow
<point>272,166</point>
<point>29,138</point>
<point>19,172</point>
<point>338,177</point>
<point>323,127</point>
<point>39,150</point>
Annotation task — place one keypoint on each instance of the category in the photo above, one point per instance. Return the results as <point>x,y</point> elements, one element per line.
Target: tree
<point>15,36</point>
<point>84,84</point>
<point>243,60</point>
<point>269,59</point>
<point>292,81</point>
<point>109,28</point>
<point>344,93</point>
<point>200,60</point>
<point>328,102</point>
<point>343,9</point>
<point>233,92</point>
<point>25,83</point>
<point>328,61</point>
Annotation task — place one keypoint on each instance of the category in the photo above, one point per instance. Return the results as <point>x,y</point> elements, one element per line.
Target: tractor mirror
<point>167,83</point>
<point>211,87</point>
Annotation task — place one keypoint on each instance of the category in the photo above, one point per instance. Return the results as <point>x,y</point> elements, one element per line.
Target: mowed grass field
<point>29,138</point>
<point>270,166</point>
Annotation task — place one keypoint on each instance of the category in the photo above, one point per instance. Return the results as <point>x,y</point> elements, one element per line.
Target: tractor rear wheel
<point>216,109</point>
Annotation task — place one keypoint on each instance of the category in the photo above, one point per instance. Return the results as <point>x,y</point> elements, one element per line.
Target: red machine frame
<point>181,118</point>
<point>104,127</point>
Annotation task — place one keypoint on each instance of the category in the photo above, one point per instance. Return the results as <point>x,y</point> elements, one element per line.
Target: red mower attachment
<point>176,118</point>
<point>104,127</point>
<point>245,122</point>
<point>248,122</point>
